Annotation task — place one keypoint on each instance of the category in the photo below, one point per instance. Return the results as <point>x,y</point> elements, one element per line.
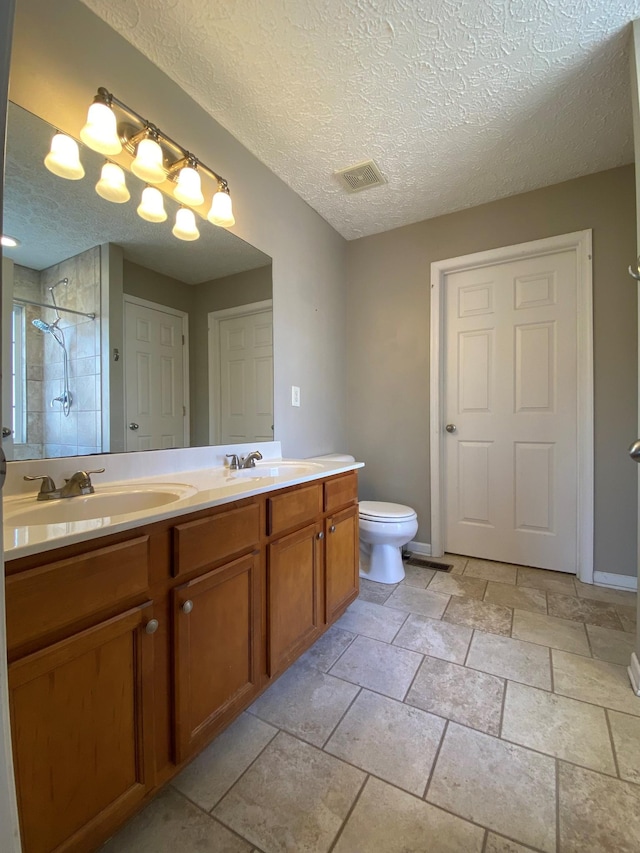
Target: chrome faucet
<point>249,461</point>
<point>78,484</point>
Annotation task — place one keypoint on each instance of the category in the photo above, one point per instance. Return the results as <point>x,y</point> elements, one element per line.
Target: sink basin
<point>107,502</point>
<point>278,468</point>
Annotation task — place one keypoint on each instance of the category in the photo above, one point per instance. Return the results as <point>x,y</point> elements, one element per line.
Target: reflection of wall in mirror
<point>48,433</point>
<point>197,301</point>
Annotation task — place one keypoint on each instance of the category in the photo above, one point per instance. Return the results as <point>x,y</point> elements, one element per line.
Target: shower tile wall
<point>81,432</point>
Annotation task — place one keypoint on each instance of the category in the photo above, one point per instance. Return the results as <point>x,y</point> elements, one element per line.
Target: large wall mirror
<point>156,342</point>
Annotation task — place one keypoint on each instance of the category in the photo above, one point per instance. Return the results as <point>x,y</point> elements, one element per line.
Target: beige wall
<point>61,54</point>
<point>388,343</point>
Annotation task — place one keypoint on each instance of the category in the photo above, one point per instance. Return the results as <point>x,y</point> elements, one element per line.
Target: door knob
<point>6,432</point>
<point>450,427</point>
<point>133,425</point>
<point>634,451</point>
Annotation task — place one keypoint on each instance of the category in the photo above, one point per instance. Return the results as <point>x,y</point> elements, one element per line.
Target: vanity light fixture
<point>151,206</point>
<point>185,227</point>
<point>112,185</point>
<point>9,242</point>
<point>113,127</point>
<point>63,158</point>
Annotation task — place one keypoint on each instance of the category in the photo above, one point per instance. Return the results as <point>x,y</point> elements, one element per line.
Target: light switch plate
<point>295,395</point>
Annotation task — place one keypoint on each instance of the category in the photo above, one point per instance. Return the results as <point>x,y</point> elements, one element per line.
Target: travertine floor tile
<point>456,561</point>
<point>306,702</point>
<point>510,789</point>
<point>550,631</point>
<point>458,693</point>
<point>417,576</point>
<point>377,593</point>
<point>386,820</point>
<point>170,823</point>
<point>609,596</point>
<point>513,659</point>
<point>304,810</point>
<point>378,666</point>
<point>389,739</point>
<point>597,814</point>
<point>214,771</point>
<point>628,617</point>
<point>326,651</point>
<point>521,597</point>
<point>458,585</point>
<point>434,637</point>
<point>549,581</point>
<point>594,681</point>
<point>614,646</point>
<point>583,610</point>
<point>372,620</point>
<point>559,726</point>
<point>626,740</point>
<point>498,844</point>
<point>479,614</point>
<point>413,600</point>
<point>500,572</point>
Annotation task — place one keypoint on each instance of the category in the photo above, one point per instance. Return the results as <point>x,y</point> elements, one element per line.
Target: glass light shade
<point>64,158</point>
<point>148,163</point>
<point>189,189</point>
<point>151,206</point>
<point>100,132</point>
<point>221,212</point>
<point>9,242</point>
<point>185,227</point>
<point>111,185</point>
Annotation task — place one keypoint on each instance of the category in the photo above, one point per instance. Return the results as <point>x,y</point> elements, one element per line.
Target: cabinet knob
<point>332,529</point>
<point>187,607</point>
<point>152,626</point>
<point>321,535</point>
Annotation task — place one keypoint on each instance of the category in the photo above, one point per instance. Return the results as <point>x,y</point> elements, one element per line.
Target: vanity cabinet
<point>216,622</point>
<point>129,653</point>
<point>81,713</point>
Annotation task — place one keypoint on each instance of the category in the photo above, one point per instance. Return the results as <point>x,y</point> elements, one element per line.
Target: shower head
<point>40,324</point>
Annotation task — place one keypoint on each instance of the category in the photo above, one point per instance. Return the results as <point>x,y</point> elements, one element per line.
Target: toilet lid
<point>383,511</point>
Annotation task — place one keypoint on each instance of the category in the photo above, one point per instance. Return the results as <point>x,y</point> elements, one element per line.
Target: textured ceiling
<point>460,102</point>
<point>56,219</point>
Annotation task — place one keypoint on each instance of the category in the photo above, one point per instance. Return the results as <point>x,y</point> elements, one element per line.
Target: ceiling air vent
<point>360,177</point>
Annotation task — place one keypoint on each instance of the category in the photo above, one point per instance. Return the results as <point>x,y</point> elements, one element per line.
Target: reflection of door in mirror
<point>156,376</point>
<point>241,373</point>
<point>9,347</point>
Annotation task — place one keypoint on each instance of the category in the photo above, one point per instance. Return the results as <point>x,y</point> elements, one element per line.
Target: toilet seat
<point>381,512</point>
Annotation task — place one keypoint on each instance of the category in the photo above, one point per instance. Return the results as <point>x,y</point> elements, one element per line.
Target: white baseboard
<point>634,673</point>
<point>626,582</point>
<point>421,548</point>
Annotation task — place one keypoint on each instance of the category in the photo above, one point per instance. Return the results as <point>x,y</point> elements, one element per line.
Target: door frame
<point>164,309</point>
<point>214,319</point>
<point>581,243</point>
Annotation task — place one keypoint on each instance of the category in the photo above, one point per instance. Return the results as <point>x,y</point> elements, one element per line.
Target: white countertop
<point>209,487</point>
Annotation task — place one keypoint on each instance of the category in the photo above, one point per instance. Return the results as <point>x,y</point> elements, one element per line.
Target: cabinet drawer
<point>209,540</point>
<point>294,508</point>
<point>340,491</point>
<point>43,600</point>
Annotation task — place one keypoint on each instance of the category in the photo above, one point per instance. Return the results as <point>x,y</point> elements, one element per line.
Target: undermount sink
<point>279,468</point>
<point>106,502</point>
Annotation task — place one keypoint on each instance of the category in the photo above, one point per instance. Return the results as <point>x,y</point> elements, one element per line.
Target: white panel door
<point>155,409</point>
<point>246,378</point>
<point>510,474</point>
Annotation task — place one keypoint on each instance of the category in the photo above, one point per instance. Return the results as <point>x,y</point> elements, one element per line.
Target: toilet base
<point>381,563</point>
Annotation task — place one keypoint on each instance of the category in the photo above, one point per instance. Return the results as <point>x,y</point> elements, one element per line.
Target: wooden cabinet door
<point>217,628</point>
<point>82,744</point>
<point>341,561</point>
<point>294,595</point>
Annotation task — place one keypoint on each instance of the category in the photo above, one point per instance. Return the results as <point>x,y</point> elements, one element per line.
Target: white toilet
<point>384,529</point>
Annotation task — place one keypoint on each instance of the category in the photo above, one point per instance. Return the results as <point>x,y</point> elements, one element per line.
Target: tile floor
<point>483,711</point>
